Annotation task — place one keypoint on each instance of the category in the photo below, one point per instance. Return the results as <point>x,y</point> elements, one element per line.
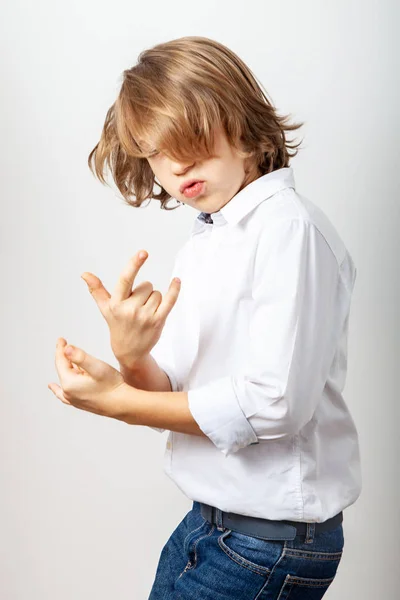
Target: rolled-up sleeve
<point>291,342</point>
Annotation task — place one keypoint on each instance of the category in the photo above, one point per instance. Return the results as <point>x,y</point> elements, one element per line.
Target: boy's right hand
<point>135,318</point>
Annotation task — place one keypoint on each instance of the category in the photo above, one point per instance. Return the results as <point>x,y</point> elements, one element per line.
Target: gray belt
<point>266,529</point>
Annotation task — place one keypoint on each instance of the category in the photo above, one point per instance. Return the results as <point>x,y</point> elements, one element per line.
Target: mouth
<point>192,188</point>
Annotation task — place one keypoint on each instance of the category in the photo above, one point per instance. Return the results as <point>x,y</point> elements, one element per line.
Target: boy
<point>247,371</point>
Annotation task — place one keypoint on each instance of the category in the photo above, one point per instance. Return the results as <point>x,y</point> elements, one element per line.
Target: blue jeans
<point>201,562</point>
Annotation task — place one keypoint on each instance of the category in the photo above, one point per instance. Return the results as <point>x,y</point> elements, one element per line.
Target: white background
<point>85,506</point>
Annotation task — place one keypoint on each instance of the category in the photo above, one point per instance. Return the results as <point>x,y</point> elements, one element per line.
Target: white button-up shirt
<point>258,339</point>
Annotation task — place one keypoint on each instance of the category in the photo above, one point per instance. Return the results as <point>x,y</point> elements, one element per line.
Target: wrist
<point>131,366</point>
<point>119,401</point>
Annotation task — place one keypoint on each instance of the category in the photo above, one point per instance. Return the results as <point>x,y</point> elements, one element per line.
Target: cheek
<point>160,174</point>
<point>157,165</point>
<point>155,168</point>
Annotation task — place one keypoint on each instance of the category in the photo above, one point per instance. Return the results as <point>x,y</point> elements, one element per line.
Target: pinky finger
<point>76,368</point>
<point>57,391</point>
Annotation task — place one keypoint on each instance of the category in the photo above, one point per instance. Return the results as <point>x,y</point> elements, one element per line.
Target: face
<point>224,175</point>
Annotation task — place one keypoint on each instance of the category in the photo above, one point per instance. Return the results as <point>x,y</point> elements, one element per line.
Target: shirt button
<point>169,445</point>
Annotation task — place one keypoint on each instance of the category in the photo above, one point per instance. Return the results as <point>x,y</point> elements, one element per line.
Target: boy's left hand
<point>86,382</point>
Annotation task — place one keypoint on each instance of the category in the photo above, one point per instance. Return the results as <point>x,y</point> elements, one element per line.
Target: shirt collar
<point>248,198</point>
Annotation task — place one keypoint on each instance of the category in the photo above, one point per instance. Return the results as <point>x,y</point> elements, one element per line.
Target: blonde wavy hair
<point>177,95</point>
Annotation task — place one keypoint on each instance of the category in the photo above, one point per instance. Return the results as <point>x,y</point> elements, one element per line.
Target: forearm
<point>146,375</point>
<point>166,410</point>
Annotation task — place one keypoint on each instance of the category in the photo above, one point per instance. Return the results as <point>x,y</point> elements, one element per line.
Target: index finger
<point>123,288</point>
<point>63,364</point>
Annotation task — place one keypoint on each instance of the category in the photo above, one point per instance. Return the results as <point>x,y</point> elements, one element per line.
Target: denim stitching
<point>283,588</point>
<point>197,541</point>
<point>243,562</point>
<point>283,554</point>
<point>189,564</point>
<point>312,555</point>
<point>321,583</point>
<point>192,532</point>
<point>310,533</point>
<point>311,582</point>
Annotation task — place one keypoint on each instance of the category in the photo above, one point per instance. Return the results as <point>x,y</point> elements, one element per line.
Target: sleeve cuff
<point>217,412</point>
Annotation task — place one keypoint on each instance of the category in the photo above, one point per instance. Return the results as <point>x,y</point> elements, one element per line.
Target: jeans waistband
<point>265,528</point>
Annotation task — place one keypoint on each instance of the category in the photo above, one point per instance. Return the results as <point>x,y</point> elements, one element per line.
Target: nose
<point>179,168</point>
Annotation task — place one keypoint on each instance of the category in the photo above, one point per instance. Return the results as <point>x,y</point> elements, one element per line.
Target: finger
<point>76,368</point>
<point>84,361</point>
<point>152,302</point>
<point>57,391</point>
<point>123,289</point>
<point>169,299</point>
<point>142,293</point>
<point>97,290</point>
<point>63,364</point>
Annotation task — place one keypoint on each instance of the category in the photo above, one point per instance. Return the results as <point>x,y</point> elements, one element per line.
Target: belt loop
<point>218,519</point>
<point>310,533</point>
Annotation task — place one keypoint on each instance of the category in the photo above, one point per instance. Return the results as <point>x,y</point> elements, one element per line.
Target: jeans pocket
<point>308,573</point>
<point>253,553</point>
<point>193,534</point>
<point>299,588</point>
<point>203,531</point>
